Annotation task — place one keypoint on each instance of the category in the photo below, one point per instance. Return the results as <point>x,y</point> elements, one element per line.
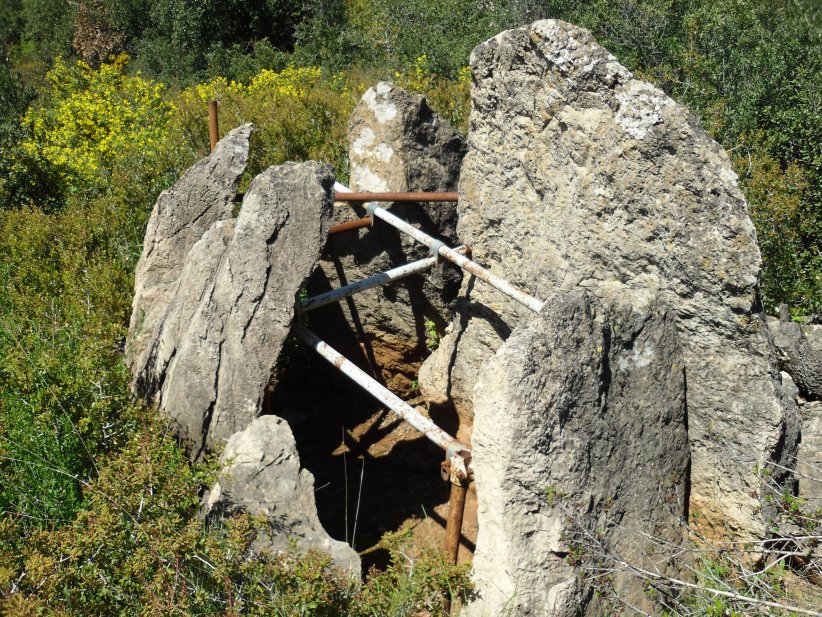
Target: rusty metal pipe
<point>213,124</point>
<point>355,224</point>
<point>425,425</point>
<point>399,196</point>
<point>453,527</point>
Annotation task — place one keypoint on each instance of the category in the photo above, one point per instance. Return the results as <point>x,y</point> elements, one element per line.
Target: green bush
<point>137,547</point>
<point>62,387</point>
<point>387,35</point>
<point>301,114</point>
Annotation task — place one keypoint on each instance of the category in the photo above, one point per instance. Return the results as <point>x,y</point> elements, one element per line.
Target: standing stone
<point>396,143</point>
<point>214,305</point>
<point>261,475</point>
<point>216,377</point>
<point>578,175</point>
<point>580,449</point>
<point>201,197</point>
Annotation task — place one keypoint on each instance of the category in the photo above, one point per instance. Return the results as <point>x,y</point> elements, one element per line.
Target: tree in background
<point>388,35</point>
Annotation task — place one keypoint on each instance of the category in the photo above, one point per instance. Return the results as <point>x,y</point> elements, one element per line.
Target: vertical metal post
<point>213,124</point>
<point>453,528</point>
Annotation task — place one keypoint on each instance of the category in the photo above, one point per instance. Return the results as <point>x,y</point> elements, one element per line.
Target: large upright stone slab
<point>578,175</point>
<point>201,197</point>
<point>580,449</point>
<point>216,378</point>
<point>396,143</point>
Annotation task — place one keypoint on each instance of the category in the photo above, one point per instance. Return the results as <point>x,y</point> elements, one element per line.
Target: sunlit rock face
<point>580,177</point>
<point>221,321</point>
<point>396,143</point>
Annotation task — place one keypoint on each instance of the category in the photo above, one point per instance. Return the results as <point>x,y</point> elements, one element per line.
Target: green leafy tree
<point>173,39</point>
<point>386,35</point>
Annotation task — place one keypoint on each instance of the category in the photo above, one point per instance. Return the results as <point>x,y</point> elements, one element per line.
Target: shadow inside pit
<point>359,496</point>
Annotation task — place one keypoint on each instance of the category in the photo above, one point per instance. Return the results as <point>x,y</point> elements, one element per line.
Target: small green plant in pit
<point>418,580</point>
<point>553,495</point>
<point>432,337</point>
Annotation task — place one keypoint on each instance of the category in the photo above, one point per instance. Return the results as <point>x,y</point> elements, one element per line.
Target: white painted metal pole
<point>463,262</point>
<point>383,278</point>
<point>425,425</point>
<point>453,256</point>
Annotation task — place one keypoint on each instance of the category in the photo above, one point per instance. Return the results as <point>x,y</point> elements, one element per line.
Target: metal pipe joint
<point>457,467</point>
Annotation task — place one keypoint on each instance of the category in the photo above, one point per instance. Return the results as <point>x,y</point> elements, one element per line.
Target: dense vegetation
<point>102,106</point>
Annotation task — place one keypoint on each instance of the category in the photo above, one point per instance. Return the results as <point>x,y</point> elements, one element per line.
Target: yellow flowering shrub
<point>419,78</point>
<point>291,81</point>
<point>300,113</point>
<point>450,98</point>
<point>94,119</point>
<point>216,89</point>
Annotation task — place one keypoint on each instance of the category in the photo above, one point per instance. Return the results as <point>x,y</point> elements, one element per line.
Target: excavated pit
<point>373,471</point>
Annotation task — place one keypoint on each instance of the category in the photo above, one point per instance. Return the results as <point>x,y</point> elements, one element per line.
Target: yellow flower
<point>94,119</point>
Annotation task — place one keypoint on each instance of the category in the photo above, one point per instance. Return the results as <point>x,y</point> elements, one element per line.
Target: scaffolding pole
<point>423,424</point>
<point>415,196</point>
<point>439,248</point>
<point>382,278</point>
<point>463,262</point>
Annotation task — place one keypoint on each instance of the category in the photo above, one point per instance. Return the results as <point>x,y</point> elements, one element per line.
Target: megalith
<point>261,475</point>
<point>222,330</point>
<point>580,176</point>
<point>397,143</point>
<point>581,457</point>
<point>182,214</point>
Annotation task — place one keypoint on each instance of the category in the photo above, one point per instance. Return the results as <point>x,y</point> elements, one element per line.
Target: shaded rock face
<point>261,475</point>
<point>201,197</point>
<point>800,354</point>
<point>396,143</point>
<point>580,425</point>
<point>220,333</point>
<point>809,457</point>
<point>580,176</point>
<point>800,357</point>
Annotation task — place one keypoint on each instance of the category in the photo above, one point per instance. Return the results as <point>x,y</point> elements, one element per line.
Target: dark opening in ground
<point>373,472</point>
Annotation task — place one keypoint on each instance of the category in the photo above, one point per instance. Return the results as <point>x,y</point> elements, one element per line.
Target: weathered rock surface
<point>261,475</point>
<point>224,327</point>
<point>201,197</point>
<point>580,176</point>
<point>580,424</point>
<point>396,143</point>
<point>798,356</point>
<point>809,457</point>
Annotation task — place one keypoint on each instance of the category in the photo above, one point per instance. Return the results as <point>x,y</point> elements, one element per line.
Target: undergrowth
<point>137,547</point>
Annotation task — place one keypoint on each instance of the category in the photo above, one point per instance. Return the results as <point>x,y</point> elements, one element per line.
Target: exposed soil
<point>373,472</point>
